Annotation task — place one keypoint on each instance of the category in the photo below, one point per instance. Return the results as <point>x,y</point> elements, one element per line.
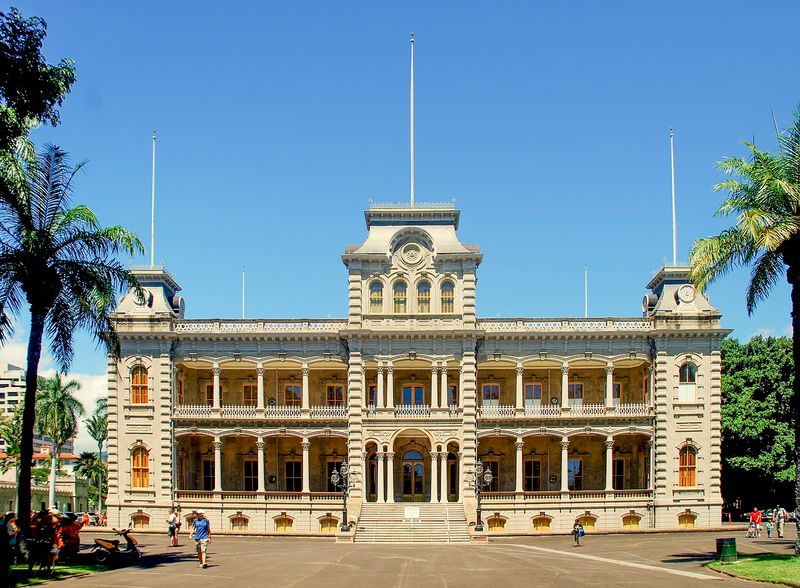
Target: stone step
<point>435,523</point>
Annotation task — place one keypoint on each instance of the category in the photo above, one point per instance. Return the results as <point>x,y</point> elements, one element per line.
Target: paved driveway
<point>652,560</point>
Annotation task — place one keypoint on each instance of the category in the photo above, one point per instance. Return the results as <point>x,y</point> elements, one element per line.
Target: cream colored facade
<point>612,420</point>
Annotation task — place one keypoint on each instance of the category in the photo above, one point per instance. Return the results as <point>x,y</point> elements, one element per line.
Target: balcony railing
<point>633,410</point>
<point>282,411</point>
<point>498,411</point>
<point>584,410</point>
<point>329,411</point>
<point>412,410</point>
<point>244,496</point>
<point>572,495</point>
<point>239,411</point>
<point>547,410</point>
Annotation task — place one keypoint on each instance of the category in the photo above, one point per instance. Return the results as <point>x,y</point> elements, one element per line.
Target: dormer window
<point>448,298</point>
<point>424,298</point>
<point>400,298</point>
<point>376,297</point>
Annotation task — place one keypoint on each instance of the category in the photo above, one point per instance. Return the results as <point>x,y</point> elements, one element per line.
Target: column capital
<point>519,445</point>
<point>305,445</point>
<point>434,368</point>
<point>215,369</point>
<point>651,442</point>
<point>390,455</point>
<point>564,444</point>
<point>564,369</point>
<point>260,370</point>
<point>260,445</point>
<point>305,370</point>
<point>520,369</point>
<point>609,443</point>
<point>609,369</point>
<point>380,369</point>
<point>217,445</point>
<point>390,369</point>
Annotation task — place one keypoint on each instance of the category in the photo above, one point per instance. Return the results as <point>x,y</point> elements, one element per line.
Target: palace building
<point>612,420</point>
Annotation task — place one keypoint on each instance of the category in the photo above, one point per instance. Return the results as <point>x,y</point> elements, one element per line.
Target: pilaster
<point>355,398</point>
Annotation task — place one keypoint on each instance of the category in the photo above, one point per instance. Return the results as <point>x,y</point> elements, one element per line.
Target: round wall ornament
<point>686,293</point>
<point>412,254</point>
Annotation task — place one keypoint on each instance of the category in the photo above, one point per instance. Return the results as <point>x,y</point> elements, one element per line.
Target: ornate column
<point>215,371</point>
<point>434,476</point>
<point>460,484</point>
<point>261,465</point>
<point>443,399</point>
<point>379,393</point>
<point>443,477</point>
<point>305,391</point>
<point>434,386</point>
<point>565,386</point>
<point>380,499</point>
<point>609,463</point>
<point>609,386</point>
<point>520,398</point>
<point>306,445</point>
<point>518,445</point>
<point>564,464</point>
<point>390,477</point>
<point>260,386</point>
<point>390,385</point>
<point>217,464</point>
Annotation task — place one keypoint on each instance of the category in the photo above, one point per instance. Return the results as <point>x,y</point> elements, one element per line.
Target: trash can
<point>726,549</point>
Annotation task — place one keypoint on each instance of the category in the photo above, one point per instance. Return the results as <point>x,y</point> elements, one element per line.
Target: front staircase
<point>412,522</point>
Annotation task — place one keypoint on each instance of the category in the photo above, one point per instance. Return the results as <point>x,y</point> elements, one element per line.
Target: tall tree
<point>90,466</point>
<point>97,427</point>
<point>757,435</point>
<point>763,194</point>
<point>31,90</point>
<point>57,413</point>
<point>62,263</point>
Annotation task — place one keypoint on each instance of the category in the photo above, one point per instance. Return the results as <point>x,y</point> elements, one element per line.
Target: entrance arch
<point>413,482</point>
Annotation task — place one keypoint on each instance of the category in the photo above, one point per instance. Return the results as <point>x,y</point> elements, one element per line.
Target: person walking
<point>201,530</point>
<point>780,518</point>
<point>755,521</point>
<point>577,532</point>
<point>172,528</point>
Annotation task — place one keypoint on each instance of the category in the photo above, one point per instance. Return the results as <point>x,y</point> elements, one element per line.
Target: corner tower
<point>411,265</point>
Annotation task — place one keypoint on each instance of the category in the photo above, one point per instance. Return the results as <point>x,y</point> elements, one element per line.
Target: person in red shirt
<point>755,521</point>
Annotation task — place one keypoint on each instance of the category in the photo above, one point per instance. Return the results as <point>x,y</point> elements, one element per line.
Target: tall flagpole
<point>153,208</point>
<point>586,290</point>
<point>674,221</point>
<point>242,292</point>
<point>412,119</point>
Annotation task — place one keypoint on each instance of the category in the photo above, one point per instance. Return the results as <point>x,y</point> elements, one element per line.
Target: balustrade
<point>500,411</point>
<point>282,411</point>
<point>241,411</point>
<point>547,410</point>
<point>412,410</point>
<point>633,410</point>
<point>196,411</point>
<point>329,411</point>
<point>588,410</point>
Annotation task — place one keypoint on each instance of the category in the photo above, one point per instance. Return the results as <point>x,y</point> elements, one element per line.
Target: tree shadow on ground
<point>690,557</point>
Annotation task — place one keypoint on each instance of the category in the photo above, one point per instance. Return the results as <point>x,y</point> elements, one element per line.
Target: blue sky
<point>547,122</point>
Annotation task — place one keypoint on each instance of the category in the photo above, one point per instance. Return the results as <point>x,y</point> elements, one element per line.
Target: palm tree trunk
<point>793,276</point>
<point>51,496</point>
<point>28,420</point>
<point>100,479</point>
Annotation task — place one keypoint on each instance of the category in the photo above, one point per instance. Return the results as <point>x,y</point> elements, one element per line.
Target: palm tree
<point>764,195</point>
<point>11,434</point>
<point>57,413</point>
<point>61,263</point>
<point>90,466</point>
<point>97,426</point>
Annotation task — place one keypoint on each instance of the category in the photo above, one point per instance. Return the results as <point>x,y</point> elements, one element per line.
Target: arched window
<point>448,297</point>
<point>687,387</point>
<point>284,524</point>
<point>328,525</point>
<point>423,298</point>
<point>687,472</point>
<point>140,467</point>
<point>588,522</point>
<point>139,385</point>
<point>686,520</point>
<point>541,525</point>
<point>376,297</point>
<point>630,522</point>
<point>140,521</point>
<point>239,523</point>
<point>412,455</point>
<point>400,298</point>
<point>497,525</point>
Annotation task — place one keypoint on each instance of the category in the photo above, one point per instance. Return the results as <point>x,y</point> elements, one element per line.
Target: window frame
<point>687,389</point>
<point>416,400</point>
<point>490,401</point>
<point>253,399</point>
<point>375,297</point>
<point>140,472</point>
<point>493,464</point>
<point>424,298</point>
<point>687,467</point>
<point>529,478</point>
<point>140,391</point>
<point>448,297</point>
<point>250,479</point>
<point>575,479</point>
<point>293,482</point>
<point>332,399</point>
<point>400,297</point>
<point>292,399</point>
<point>531,386</point>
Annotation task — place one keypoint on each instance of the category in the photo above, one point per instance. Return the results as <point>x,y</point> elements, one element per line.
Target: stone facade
<point>612,420</point>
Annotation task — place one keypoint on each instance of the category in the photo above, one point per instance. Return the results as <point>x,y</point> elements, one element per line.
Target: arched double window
<point>140,468</point>
<point>687,472</point>
<point>448,297</point>
<point>139,392</point>
<point>400,298</point>
<point>687,383</point>
<point>424,297</point>
<point>376,297</point>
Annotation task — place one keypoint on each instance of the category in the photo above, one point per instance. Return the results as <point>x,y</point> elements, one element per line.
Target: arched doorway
<point>413,476</point>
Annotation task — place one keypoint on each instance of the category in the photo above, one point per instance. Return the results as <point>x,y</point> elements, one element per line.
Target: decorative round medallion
<point>412,254</point>
<point>686,293</point>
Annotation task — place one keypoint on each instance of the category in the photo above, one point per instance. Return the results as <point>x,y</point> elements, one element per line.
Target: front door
<point>413,477</point>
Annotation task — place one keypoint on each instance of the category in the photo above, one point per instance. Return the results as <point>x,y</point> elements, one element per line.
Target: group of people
<point>52,536</point>
<point>775,520</point>
<point>201,531</point>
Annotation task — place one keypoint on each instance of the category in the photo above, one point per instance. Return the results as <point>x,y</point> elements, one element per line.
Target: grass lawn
<point>768,567</point>
<point>19,573</point>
